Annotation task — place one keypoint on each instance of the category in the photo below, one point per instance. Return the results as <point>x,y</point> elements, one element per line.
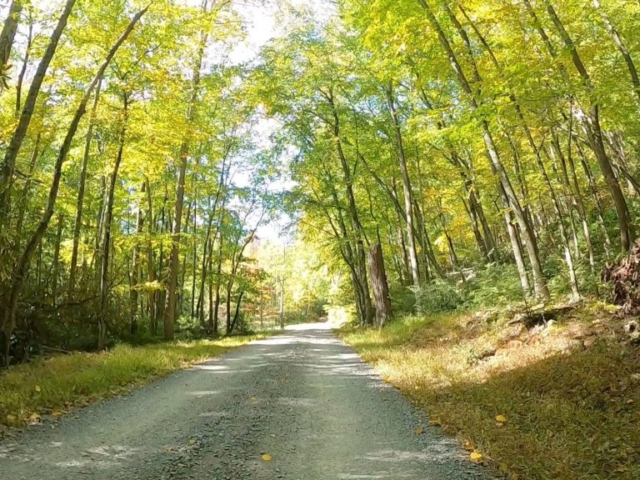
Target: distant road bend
<point>300,405</point>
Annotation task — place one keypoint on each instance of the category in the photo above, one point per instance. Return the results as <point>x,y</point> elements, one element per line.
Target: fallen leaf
<point>192,441</point>
<point>266,457</point>
<point>476,456</point>
<point>34,417</point>
<point>467,445</point>
<point>38,388</point>
<point>501,418</point>
<point>418,431</point>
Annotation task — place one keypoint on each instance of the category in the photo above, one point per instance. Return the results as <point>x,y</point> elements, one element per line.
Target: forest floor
<point>49,386</point>
<point>297,405</point>
<point>538,398</point>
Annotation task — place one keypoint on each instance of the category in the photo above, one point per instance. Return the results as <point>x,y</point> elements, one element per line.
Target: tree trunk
<point>135,265</point>
<point>105,247</point>
<point>406,183</point>
<point>56,262</point>
<point>379,285</point>
<point>77,228</point>
<point>7,36</point>
<point>174,260</point>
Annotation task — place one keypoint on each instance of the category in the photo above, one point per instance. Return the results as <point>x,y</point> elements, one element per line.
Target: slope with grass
<point>49,386</point>
<point>537,398</point>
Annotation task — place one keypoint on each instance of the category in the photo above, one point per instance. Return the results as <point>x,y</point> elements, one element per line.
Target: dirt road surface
<point>296,406</point>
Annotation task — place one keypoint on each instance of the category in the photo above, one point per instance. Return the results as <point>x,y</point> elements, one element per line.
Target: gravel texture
<point>302,397</point>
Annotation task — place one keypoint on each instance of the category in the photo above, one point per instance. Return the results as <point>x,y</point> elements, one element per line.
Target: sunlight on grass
<point>571,412</point>
<point>51,385</point>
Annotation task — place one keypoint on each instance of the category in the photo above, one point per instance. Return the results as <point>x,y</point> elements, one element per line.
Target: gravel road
<point>302,397</point>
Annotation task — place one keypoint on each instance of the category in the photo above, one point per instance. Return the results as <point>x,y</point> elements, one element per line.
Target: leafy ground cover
<point>535,398</point>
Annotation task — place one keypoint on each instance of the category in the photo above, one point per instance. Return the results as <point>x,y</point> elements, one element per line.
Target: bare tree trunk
<point>135,265</point>
<point>7,36</point>
<point>56,261</point>
<point>24,197</point>
<point>23,70</point>
<point>77,228</point>
<point>105,247</point>
<point>174,260</point>
<point>406,183</point>
<point>379,284</point>
<point>151,277</point>
<point>236,314</point>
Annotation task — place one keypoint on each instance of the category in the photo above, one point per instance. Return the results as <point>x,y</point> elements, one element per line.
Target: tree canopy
<point>426,153</point>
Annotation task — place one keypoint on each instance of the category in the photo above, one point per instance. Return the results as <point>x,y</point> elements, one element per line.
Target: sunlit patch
<point>203,393</point>
<point>442,451</point>
<point>299,402</point>
<point>221,414</point>
<point>115,451</point>
<point>213,368</point>
<point>73,463</point>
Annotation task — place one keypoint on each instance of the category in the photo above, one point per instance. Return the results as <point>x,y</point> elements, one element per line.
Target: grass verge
<point>553,401</point>
<point>49,386</point>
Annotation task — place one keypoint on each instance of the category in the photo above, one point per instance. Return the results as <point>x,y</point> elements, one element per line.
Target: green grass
<point>572,411</point>
<point>52,385</point>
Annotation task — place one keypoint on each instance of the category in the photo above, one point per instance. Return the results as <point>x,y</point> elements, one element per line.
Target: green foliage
<point>492,286</point>
<point>438,296</point>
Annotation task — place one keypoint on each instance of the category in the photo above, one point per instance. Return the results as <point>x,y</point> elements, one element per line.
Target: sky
<point>264,21</point>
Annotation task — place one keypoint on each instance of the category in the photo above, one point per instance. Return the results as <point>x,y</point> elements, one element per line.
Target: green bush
<point>494,285</point>
<point>438,296</point>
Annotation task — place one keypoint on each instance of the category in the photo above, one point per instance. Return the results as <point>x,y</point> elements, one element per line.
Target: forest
<point>429,155</point>
<point>386,163</point>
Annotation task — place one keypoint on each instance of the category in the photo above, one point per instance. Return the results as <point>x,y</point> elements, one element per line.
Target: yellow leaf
<point>501,418</point>
<point>192,441</point>
<point>266,457</point>
<point>37,388</point>
<point>475,456</point>
<point>34,417</point>
<point>418,431</point>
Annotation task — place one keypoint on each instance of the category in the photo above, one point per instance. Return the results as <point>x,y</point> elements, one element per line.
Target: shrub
<point>438,296</point>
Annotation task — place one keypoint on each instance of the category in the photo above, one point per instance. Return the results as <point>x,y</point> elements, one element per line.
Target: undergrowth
<point>557,400</point>
<point>49,386</point>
